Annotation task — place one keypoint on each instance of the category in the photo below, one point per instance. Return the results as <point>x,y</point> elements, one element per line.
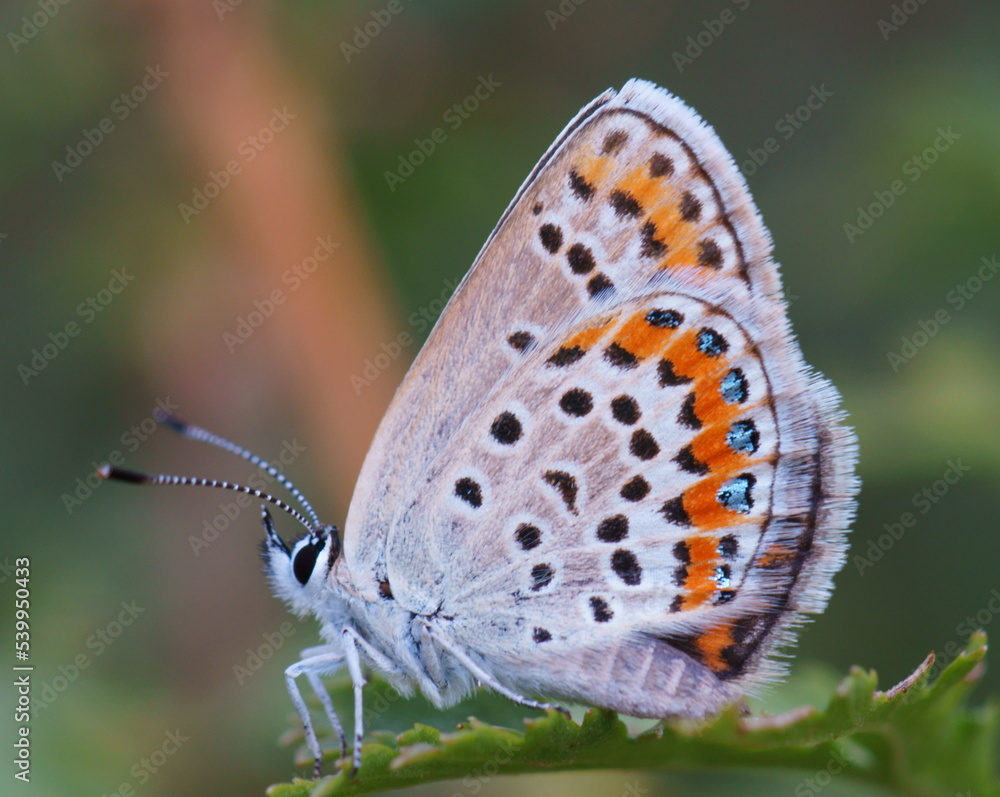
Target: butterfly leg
<point>484,677</point>
<point>312,667</point>
<point>350,637</point>
<point>352,640</point>
<point>324,696</point>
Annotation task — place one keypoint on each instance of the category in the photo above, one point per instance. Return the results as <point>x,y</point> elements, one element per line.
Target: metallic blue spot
<point>712,343</point>
<point>735,493</point>
<point>734,387</point>
<point>722,576</point>
<point>743,437</point>
<point>664,318</point>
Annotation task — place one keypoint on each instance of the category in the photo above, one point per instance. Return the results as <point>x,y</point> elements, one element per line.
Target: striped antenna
<point>107,471</point>
<point>197,433</point>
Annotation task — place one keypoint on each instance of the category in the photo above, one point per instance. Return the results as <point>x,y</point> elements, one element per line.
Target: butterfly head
<point>298,574</point>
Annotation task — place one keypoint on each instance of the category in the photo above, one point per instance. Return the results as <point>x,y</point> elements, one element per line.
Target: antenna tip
<point>107,471</point>
<point>173,422</point>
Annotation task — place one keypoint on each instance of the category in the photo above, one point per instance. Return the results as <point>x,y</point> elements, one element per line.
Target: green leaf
<point>919,738</point>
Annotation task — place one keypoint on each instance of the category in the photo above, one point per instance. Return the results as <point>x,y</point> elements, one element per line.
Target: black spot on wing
<point>635,489</point>
<point>565,484</point>
<point>580,186</point>
<point>643,445</point>
<point>566,355</point>
<point>506,429</point>
<point>528,536</point>
<point>551,237</point>
<point>686,416</point>
<point>690,207</point>
<point>626,567</point>
<point>540,635</point>
<point>580,259</point>
<point>614,141</point>
<point>541,576</point>
<point>625,409</point>
<point>618,356</point>
<point>660,165</point>
<point>613,529</point>
<point>469,490</point>
<point>651,245</point>
<point>673,510</point>
<point>728,546</point>
<point>709,254</point>
<point>689,462</point>
<point>576,402</point>
<point>599,283</point>
<point>625,205</point>
<point>521,340</point>
<point>668,376</point>
<point>599,607</point>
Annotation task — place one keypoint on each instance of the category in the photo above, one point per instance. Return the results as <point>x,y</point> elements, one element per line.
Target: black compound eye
<point>305,559</point>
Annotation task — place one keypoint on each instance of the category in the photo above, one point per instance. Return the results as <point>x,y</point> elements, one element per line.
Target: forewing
<point>625,194</point>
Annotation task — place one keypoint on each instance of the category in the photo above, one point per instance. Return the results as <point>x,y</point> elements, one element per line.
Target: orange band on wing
<point>586,338</point>
<point>689,361</point>
<point>700,583</point>
<point>711,645</point>
<point>640,338</point>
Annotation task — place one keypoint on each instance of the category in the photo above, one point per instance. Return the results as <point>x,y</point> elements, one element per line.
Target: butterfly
<point>609,477</point>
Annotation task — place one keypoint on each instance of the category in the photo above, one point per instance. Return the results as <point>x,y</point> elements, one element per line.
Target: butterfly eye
<point>304,559</point>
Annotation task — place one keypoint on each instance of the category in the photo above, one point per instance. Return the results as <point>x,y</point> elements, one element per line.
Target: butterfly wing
<point>640,478</point>
<point>646,495</point>
<point>526,284</point>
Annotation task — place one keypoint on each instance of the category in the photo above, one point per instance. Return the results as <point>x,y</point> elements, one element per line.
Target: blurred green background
<point>97,237</point>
